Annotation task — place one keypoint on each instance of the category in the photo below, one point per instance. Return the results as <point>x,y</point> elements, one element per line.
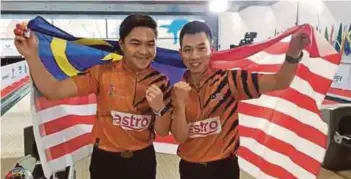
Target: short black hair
<point>136,20</point>
<point>195,27</point>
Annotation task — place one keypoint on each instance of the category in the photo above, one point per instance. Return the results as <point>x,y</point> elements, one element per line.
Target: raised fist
<point>299,41</point>
<point>25,41</point>
<point>154,96</point>
<point>180,93</point>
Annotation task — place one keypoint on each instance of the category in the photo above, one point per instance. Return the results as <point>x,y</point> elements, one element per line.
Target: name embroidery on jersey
<point>131,121</point>
<point>205,127</point>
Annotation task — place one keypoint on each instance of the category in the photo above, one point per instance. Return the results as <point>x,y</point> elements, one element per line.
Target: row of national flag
<point>341,41</point>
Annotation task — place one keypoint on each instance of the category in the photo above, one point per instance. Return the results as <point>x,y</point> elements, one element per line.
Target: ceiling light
<point>218,6</point>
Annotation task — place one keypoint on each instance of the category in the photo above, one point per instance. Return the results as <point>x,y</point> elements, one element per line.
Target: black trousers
<point>111,165</point>
<point>221,169</point>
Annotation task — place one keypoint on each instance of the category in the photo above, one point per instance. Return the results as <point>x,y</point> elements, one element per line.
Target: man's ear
<point>121,44</point>
<point>180,53</point>
<point>213,48</point>
<point>120,50</point>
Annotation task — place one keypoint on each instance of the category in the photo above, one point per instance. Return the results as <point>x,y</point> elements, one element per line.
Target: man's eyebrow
<point>187,46</point>
<point>201,44</point>
<point>134,40</point>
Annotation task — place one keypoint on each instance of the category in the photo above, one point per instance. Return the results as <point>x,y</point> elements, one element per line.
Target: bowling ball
<point>19,173</point>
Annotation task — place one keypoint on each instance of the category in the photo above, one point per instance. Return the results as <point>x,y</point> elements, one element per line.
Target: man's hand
<point>299,41</point>
<point>180,126</point>
<point>154,96</point>
<point>180,93</point>
<point>26,46</point>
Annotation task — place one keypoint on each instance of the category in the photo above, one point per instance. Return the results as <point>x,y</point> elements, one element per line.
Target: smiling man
<point>132,99</point>
<point>205,116</point>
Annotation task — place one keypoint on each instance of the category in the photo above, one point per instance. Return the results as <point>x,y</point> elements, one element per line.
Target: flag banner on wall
<point>282,134</point>
<point>348,41</point>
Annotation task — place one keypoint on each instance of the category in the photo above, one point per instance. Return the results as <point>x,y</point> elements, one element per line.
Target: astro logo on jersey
<point>130,121</point>
<point>205,127</point>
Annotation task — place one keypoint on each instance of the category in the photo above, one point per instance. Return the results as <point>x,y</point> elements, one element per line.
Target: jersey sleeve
<point>244,84</point>
<point>166,89</point>
<point>87,82</point>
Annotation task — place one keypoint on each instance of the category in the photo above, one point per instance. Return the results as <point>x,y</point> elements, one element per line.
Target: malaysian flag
<point>282,132</point>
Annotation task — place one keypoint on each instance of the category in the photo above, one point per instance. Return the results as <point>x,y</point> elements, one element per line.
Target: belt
<point>127,153</point>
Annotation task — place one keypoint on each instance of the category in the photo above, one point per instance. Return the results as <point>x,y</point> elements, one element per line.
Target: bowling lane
<point>12,141</point>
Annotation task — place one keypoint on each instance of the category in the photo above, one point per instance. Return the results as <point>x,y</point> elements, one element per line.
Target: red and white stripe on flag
<point>282,133</point>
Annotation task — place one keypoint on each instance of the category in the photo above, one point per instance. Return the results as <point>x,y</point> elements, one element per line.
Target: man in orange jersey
<point>205,118</point>
<point>132,100</point>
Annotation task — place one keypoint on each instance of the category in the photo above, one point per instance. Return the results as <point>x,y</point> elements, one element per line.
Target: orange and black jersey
<point>212,114</point>
<point>124,119</point>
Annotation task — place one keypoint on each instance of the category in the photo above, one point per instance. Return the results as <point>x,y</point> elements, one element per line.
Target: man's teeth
<point>195,64</point>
